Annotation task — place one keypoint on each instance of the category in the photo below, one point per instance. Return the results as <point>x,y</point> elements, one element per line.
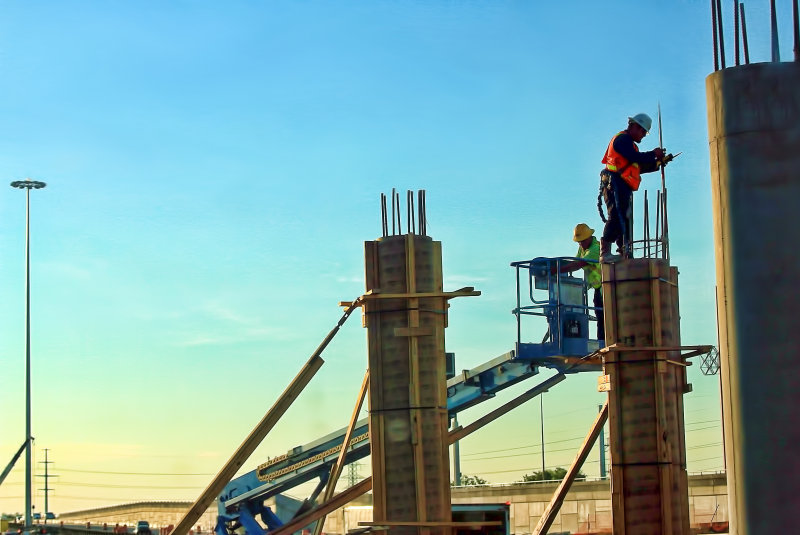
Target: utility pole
<point>352,474</point>
<point>602,449</point>
<point>456,457</point>
<point>47,488</point>
<point>541,421</point>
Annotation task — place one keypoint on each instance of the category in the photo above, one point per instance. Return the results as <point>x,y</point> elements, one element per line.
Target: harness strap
<point>604,186</point>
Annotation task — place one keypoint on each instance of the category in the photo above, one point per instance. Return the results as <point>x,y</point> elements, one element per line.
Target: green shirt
<point>591,271</point>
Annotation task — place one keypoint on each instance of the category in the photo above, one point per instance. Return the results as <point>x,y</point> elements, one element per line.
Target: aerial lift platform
<point>563,301</point>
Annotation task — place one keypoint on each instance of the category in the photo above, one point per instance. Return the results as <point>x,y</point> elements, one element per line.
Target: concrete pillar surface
<point>754,144</point>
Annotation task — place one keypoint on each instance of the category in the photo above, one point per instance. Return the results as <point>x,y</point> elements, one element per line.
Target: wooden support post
<point>336,469</point>
<point>414,385</point>
<point>558,497</point>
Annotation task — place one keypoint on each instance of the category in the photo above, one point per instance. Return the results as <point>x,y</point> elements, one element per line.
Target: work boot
<point>605,253</point>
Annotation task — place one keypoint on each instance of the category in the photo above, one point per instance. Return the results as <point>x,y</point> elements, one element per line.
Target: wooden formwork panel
<point>648,454</point>
<point>407,396</point>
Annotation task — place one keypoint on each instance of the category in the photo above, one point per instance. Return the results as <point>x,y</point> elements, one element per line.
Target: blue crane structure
<point>561,299</point>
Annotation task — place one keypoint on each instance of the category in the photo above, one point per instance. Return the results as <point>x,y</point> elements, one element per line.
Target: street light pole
<point>28,185</point>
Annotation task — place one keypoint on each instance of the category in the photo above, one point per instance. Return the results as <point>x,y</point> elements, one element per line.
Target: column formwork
<point>754,145</point>
<point>649,483</point>
<point>407,393</point>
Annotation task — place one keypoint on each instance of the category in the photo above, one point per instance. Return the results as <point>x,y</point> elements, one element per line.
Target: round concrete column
<point>754,141</point>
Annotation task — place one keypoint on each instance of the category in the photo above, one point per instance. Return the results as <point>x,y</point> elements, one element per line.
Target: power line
<point>130,473</point>
<point>114,486</point>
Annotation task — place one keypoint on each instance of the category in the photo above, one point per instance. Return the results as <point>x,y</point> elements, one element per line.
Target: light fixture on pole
<point>28,185</point>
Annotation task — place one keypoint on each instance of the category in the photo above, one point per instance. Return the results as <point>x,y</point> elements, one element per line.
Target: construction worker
<point>620,178</point>
<point>588,248</point>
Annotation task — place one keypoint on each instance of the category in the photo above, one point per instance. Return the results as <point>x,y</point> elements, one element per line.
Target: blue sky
<point>213,170</point>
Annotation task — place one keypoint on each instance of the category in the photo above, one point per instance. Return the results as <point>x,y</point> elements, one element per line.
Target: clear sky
<point>213,170</point>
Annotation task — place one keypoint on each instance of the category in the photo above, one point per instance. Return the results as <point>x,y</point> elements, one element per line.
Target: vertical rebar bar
<point>735,33</point>
<point>393,216</point>
<point>796,22</point>
<point>423,213</point>
<point>714,33</point>
<point>384,221</point>
<point>773,18</point>
<point>412,221</point>
<point>399,220</point>
<point>665,227</point>
<point>658,226</point>
<point>744,36</point>
<point>721,35</point>
<point>420,210</point>
<point>408,210</point>
<point>646,225</point>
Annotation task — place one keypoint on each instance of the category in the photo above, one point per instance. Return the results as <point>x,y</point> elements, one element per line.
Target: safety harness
<point>605,187</point>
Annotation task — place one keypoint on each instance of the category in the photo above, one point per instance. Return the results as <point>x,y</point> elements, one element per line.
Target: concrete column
<point>754,143</point>
<point>407,391</point>
<point>649,484</point>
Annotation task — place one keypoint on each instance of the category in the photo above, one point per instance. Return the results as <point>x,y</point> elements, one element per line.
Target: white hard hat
<point>643,120</point>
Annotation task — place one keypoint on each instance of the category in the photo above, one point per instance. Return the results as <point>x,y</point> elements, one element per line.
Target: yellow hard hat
<point>582,231</point>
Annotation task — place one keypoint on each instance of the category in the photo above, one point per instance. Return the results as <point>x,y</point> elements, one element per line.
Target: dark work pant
<point>598,304</point>
<point>618,203</point>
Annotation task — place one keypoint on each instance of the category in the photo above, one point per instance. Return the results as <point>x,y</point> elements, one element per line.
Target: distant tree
<point>471,481</point>
<point>556,474</point>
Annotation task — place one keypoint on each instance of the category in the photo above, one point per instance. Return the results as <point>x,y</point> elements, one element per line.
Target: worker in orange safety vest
<point>620,178</point>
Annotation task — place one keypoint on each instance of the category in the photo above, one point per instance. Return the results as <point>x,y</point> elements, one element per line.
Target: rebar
<point>773,18</point>
<point>416,218</point>
<point>714,33</point>
<point>411,217</point>
<point>409,200</point>
<point>399,224</point>
<point>796,23</point>
<point>384,221</point>
<point>721,35</point>
<point>744,36</point>
<point>393,218</point>
<point>735,33</point>
<point>646,225</point>
<point>421,211</point>
<point>665,227</point>
<point>658,218</point>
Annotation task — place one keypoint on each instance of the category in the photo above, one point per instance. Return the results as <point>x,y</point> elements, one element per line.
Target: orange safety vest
<point>614,162</point>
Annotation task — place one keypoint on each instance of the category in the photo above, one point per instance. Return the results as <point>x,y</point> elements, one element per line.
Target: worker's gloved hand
<point>660,152</point>
<point>668,158</point>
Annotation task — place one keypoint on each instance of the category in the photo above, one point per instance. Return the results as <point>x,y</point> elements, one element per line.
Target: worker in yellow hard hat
<point>589,248</point>
<point>620,178</point>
